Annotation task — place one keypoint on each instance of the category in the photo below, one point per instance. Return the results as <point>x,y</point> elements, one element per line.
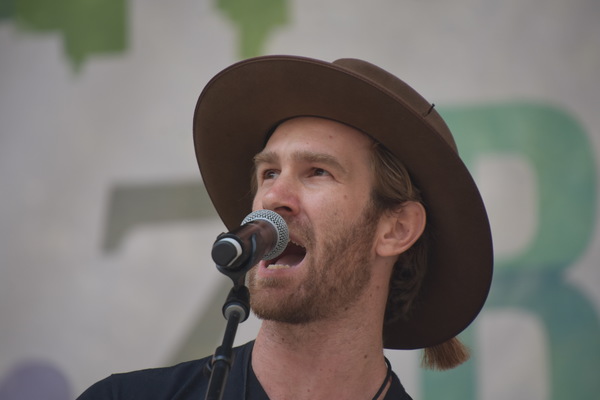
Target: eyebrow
<point>269,157</point>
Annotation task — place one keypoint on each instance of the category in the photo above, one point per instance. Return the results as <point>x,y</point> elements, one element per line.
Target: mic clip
<point>233,267</point>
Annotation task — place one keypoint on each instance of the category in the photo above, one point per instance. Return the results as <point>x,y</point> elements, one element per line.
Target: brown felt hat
<point>241,104</point>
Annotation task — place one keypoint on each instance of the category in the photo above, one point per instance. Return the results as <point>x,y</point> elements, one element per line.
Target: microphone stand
<point>235,310</point>
<point>237,305</point>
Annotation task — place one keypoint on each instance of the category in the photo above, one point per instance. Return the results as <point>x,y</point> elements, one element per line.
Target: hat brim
<point>242,103</point>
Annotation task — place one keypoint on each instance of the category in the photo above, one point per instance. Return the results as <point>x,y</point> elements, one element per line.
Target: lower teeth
<point>277,266</point>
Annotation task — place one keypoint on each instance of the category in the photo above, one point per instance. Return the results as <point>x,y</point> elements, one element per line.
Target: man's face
<point>316,173</point>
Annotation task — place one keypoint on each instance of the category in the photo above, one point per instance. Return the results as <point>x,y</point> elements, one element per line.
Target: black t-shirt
<point>189,380</point>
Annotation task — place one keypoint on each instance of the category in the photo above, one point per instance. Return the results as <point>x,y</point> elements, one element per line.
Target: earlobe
<point>401,228</point>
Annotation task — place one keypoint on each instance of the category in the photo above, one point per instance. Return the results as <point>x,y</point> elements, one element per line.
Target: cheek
<point>352,203</point>
<point>257,203</point>
<point>331,209</point>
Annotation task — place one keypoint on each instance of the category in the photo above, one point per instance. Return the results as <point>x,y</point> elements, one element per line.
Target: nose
<point>281,195</point>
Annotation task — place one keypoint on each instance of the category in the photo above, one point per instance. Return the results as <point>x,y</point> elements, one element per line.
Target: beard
<point>337,274</point>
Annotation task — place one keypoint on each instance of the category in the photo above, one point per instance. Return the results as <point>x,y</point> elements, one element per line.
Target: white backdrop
<point>105,231</point>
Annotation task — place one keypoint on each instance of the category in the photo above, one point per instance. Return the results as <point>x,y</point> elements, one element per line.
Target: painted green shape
<point>534,281</point>
<point>153,204</point>
<point>87,27</point>
<point>563,160</point>
<point>255,20</point>
<point>7,9</point>
<point>133,205</point>
<point>569,320</point>
<point>571,325</point>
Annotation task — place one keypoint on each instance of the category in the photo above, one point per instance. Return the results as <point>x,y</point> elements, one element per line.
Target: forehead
<point>320,135</point>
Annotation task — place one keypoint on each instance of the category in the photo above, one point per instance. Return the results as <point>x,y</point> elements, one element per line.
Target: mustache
<point>301,231</point>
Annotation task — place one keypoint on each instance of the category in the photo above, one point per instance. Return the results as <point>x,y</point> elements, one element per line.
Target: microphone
<point>262,235</point>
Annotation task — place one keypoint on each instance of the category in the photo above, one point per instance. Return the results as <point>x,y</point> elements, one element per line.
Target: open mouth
<point>291,256</point>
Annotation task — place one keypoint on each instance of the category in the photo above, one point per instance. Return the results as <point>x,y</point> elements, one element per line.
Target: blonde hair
<point>393,187</point>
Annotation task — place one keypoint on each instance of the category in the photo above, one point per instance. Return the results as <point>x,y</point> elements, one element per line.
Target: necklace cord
<point>385,381</point>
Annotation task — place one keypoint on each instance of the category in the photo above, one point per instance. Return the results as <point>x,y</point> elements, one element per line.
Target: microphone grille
<point>280,226</point>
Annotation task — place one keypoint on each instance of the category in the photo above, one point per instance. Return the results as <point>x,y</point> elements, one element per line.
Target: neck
<point>341,357</point>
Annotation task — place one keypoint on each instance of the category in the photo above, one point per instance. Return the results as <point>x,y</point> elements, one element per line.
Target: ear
<point>399,229</point>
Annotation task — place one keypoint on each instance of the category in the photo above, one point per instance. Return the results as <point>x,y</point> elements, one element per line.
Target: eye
<point>269,174</point>
<point>320,172</point>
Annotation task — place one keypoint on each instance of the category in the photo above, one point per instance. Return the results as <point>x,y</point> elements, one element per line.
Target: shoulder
<point>154,383</point>
<point>185,380</point>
